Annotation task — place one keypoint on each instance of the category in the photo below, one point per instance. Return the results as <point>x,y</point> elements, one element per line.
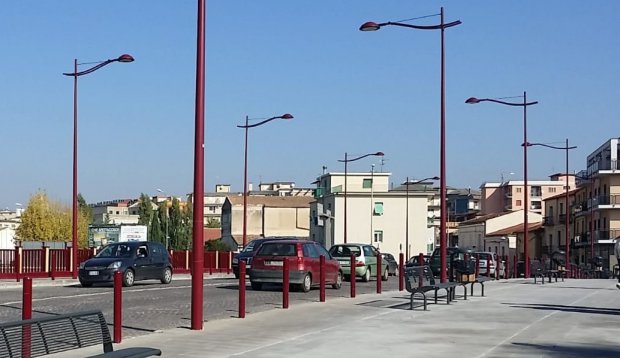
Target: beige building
<point>375,214</point>
<point>555,221</point>
<point>266,216</point>
<point>508,196</point>
<point>117,212</point>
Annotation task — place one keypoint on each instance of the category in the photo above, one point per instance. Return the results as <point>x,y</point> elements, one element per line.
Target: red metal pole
<point>118,302</point>
<point>74,214</point>
<point>322,278</point>
<point>53,265</point>
<point>199,143</point>
<point>241,289</point>
<point>26,314</point>
<point>526,193</point>
<point>421,261</point>
<point>506,267</point>
<point>379,273</point>
<point>443,242</point>
<point>352,275</point>
<point>514,266</point>
<point>567,221</point>
<point>346,160</point>
<point>285,284</point>
<point>401,272</point>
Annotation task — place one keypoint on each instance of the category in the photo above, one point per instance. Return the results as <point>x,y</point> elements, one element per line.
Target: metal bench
<point>42,336</point>
<point>419,280</point>
<point>479,280</point>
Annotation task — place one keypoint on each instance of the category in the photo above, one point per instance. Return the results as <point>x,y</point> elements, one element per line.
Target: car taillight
<point>360,264</point>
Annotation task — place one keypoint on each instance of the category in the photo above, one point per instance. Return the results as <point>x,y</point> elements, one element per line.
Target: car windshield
<point>344,251</point>
<point>118,250</point>
<point>249,247</point>
<point>277,249</point>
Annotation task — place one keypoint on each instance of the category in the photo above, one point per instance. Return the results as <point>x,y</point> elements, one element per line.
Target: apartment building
<point>597,207</point>
<point>509,196</point>
<point>559,216</point>
<point>393,220</point>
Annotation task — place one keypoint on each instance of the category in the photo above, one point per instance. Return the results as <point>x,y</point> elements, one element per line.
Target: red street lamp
<point>197,299</point>
<point>567,221</point>
<point>474,100</point>
<point>245,167</point>
<point>373,26</point>
<point>74,217</point>
<point>407,183</point>
<point>346,160</point>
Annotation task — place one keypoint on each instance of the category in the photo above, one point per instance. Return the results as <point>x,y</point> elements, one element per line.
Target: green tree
<point>145,210</point>
<point>213,223</point>
<point>162,213</point>
<point>216,245</point>
<point>155,233</point>
<point>175,228</point>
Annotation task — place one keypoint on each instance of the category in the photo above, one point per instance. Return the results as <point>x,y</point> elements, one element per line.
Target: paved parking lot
<point>576,318</point>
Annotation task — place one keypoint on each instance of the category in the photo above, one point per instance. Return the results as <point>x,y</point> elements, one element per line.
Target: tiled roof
<point>562,194</point>
<point>516,229</point>
<point>481,219</point>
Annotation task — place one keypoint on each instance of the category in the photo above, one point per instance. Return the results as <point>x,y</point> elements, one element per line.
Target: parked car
<point>392,264</point>
<point>136,260</point>
<point>303,257</point>
<point>366,264</point>
<point>491,257</point>
<point>247,253</point>
<point>453,253</point>
<point>414,260</point>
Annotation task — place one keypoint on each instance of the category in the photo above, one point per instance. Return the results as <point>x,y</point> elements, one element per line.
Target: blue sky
<point>348,90</point>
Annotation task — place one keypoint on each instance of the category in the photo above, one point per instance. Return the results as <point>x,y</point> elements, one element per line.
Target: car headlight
<point>82,265</point>
<point>115,265</point>
<point>235,260</point>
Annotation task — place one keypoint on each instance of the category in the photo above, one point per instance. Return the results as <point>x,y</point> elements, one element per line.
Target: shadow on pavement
<point>570,351</point>
<point>563,308</point>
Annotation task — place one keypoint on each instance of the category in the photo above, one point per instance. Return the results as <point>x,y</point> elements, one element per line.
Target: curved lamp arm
<point>373,26</point>
<point>377,154</point>
<point>474,100</point>
<point>284,116</point>
<point>121,58</point>
<point>420,181</point>
<point>548,146</point>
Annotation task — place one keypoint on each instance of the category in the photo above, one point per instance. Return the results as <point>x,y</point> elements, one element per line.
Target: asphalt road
<point>150,306</point>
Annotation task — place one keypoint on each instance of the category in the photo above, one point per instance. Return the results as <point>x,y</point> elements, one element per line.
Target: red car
<point>303,258</point>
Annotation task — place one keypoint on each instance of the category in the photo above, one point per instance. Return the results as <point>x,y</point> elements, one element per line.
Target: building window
<point>518,202</point>
<point>378,236</point>
<point>367,184</point>
<point>518,190</point>
<point>552,190</point>
<point>378,209</point>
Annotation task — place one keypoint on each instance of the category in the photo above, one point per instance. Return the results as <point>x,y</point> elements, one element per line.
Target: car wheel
<point>85,284</point>
<point>307,283</point>
<point>128,278</point>
<point>386,273</point>
<point>338,283</point>
<point>366,276</point>
<point>166,276</point>
<point>256,286</point>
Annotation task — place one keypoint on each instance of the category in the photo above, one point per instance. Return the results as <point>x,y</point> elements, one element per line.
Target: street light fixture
<point>245,167</point>
<point>74,217</point>
<point>346,161</point>
<point>524,104</point>
<point>167,216</point>
<point>407,183</point>
<point>373,26</point>
<point>567,221</point>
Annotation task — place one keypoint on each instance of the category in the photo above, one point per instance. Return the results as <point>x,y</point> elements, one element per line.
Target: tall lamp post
<point>167,217</point>
<point>524,104</point>
<point>373,26</point>
<point>197,299</point>
<point>346,161</point>
<point>407,183</point>
<point>74,216</point>
<point>245,167</point>
<point>567,221</point>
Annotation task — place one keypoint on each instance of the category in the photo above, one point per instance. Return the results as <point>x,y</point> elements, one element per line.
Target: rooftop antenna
<point>324,169</point>
<point>383,160</point>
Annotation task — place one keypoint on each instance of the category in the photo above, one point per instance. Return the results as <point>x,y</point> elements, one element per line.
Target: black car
<point>136,260</point>
<point>392,264</point>
<point>246,254</point>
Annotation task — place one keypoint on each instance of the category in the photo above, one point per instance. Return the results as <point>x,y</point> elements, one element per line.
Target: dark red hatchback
<point>303,258</point>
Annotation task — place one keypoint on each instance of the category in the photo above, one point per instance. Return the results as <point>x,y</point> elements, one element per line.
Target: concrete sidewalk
<point>575,318</point>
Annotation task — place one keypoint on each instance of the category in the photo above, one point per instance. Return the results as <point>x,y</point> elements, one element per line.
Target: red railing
<point>46,262</point>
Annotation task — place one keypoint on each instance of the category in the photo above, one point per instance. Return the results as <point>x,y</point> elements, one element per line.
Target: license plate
<point>93,273</point>
<point>274,263</point>
<point>344,263</point>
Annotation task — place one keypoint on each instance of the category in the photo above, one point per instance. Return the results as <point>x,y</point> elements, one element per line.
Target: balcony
<point>548,221</point>
<point>606,234</point>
